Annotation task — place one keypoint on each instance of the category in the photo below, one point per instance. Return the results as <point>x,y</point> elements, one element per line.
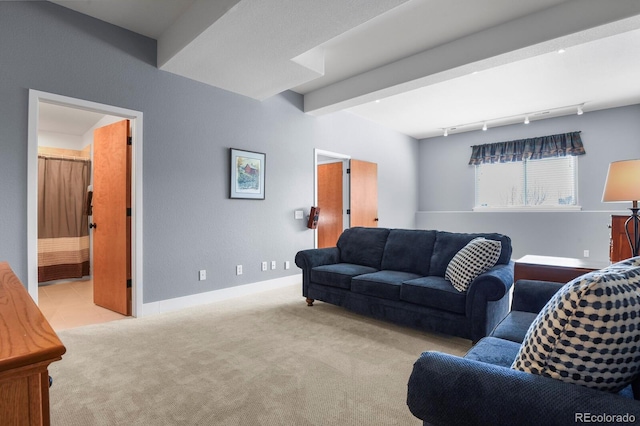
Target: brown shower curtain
<point>63,231</point>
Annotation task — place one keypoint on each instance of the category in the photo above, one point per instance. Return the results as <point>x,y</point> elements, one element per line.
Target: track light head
<point>580,112</point>
<point>484,127</point>
<point>526,119</point>
<point>446,132</point>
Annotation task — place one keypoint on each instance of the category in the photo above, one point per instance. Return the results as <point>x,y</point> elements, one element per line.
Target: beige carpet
<point>266,359</point>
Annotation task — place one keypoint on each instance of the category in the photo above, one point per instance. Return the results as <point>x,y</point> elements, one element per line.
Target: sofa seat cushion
<point>339,274</point>
<point>588,332</point>
<point>383,284</point>
<point>434,292</point>
<point>492,350</point>
<point>514,326</point>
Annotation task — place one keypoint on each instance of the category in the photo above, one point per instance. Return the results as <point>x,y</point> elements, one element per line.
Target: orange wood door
<point>111,201</point>
<point>330,223</point>
<point>363,193</point>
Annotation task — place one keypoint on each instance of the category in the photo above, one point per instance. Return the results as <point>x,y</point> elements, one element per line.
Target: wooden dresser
<point>28,345</point>
<point>556,269</point>
<point>619,248</point>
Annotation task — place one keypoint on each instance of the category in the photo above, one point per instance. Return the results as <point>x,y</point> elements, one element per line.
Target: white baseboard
<point>217,295</point>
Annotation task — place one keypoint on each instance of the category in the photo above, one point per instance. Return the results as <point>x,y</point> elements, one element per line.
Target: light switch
<point>299,214</point>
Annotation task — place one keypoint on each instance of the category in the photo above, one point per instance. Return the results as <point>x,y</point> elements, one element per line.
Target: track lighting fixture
<point>525,118</point>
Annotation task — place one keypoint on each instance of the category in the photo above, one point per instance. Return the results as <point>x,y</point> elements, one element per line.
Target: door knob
<point>93,225</point>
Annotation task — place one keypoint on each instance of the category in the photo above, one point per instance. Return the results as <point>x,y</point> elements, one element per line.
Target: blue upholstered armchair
<point>481,388</point>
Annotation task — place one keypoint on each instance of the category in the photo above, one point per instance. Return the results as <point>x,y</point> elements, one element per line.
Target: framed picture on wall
<point>247,174</point>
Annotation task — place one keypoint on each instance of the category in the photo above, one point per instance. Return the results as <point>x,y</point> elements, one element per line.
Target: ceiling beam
<point>564,25</point>
<point>259,48</point>
<point>193,22</point>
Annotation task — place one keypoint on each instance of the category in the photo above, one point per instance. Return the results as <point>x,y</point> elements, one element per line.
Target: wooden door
<point>111,217</point>
<point>330,224</point>
<point>363,193</point>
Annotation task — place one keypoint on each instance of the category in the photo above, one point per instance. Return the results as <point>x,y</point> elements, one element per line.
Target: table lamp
<point>623,184</point>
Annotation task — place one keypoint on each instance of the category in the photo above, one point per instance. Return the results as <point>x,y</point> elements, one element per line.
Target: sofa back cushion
<point>409,250</point>
<point>448,244</point>
<point>363,246</point>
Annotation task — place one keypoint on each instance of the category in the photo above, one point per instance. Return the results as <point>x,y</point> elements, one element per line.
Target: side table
<point>556,269</point>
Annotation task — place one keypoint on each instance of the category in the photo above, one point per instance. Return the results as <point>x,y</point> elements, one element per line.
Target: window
<point>540,183</point>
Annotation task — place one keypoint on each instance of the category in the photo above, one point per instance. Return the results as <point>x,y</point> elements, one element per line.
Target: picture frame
<point>247,174</point>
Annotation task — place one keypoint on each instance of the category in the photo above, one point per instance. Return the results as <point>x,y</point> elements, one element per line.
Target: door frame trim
<point>35,97</point>
<point>345,185</point>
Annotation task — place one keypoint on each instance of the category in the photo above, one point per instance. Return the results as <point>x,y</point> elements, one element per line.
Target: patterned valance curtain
<point>528,149</point>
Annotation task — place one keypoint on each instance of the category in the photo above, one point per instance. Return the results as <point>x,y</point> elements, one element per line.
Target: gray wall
<point>189,221</point>
<point>446,185</point>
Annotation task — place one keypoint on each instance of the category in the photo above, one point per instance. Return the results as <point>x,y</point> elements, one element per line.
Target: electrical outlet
<point>273,264</point>
<point>586,253</point>
<point>238,269</point>
<point>264,266</point>
<point>202,274</point>
<point>287,265</point>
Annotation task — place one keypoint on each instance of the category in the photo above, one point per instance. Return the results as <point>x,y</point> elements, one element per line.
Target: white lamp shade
<point>623,181</point>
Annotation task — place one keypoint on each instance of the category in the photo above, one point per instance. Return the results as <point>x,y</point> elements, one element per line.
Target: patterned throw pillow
<point>589,332</point>
<point>478,256</point>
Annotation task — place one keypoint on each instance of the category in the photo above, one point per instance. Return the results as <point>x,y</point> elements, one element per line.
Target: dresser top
<point>562,262</point>
<point>25,335</point>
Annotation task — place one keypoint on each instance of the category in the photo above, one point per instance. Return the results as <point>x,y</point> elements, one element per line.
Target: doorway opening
<point>357,181</point>
<point>331,195</point>
<point>40,101</point>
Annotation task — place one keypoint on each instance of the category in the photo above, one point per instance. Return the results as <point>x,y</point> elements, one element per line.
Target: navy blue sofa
<point>398,275</point>
<point>481,388</point>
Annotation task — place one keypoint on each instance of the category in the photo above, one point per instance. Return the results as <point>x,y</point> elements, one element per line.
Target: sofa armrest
<point>309,259</point>
<point>493,284</point>
<point>532,295</point>
<point>487,300</point>
<point>444,387</point>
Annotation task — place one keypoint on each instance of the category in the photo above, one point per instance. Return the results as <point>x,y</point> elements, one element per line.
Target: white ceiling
<point>416,66</point>
<point>60,119</point>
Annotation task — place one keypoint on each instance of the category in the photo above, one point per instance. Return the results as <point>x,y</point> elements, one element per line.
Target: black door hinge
<point>348,211</point>
<point>129,140</point>
<point>348,171</point>
<point>128,283</point>
<point>128,211</point>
